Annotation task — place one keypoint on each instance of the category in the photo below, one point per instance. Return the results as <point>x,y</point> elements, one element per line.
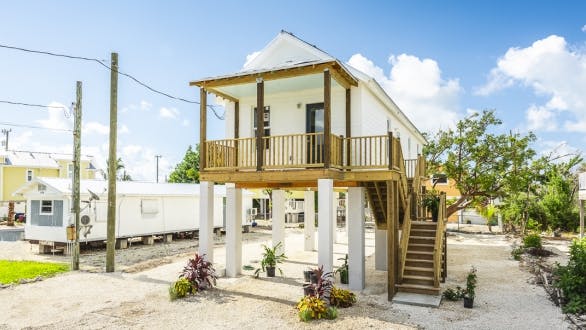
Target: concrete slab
<point>416,299</point>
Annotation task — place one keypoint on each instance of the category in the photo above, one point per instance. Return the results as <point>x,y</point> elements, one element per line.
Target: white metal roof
<point>132,188</point>
<point>37,159</point>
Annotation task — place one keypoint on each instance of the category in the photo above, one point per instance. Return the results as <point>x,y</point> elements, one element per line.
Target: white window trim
<point>26,175</point>
<point>70,172</point>
<point>41,207</point>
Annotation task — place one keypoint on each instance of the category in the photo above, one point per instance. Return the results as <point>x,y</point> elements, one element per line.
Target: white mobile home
<point>142,209</point>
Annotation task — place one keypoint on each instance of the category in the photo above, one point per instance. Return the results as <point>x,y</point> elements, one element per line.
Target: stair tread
<point>419,269</point>
<point>423,230</point>
<point>422,237</point>
<point>420,252</point>
<point>417,286</point>
<point>420,244</point>
<point>418,260</point>
<point>418,277</point>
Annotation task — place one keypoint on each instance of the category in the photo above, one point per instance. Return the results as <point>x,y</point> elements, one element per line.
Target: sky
<point>438,60</point>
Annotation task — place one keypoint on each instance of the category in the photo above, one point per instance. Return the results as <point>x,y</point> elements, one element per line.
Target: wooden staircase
<point>418,275</point>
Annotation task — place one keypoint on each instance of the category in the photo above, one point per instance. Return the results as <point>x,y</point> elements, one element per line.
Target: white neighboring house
<point>142,208</point>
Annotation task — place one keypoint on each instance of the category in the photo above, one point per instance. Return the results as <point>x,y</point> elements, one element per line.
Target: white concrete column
<point>233,230</point>
<point>347,215</point>
<point>380,250</point>
<point>326,217</point>
<point>206,219</point>
<point>335,220</point>
<point>309,221</point>
<point>356,251</point>
<point>279,219</point>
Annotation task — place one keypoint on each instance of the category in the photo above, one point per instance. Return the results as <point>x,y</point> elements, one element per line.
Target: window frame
<point>52,207</point>
<point>26,175</point>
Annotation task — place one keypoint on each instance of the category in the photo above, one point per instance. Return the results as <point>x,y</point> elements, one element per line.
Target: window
<point>149,206</point>
<point>29,175</point>
<point>46,208</point>
<point>439,179</point>
<point>267,122</point>
<point>70,170</point>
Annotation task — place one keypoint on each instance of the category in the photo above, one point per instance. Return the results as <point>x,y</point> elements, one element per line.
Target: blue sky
<point>437,59</point>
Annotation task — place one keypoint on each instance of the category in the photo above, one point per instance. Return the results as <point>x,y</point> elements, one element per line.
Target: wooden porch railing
<point>307,150</point>
<point>405,234</point>
<point>439,235</point>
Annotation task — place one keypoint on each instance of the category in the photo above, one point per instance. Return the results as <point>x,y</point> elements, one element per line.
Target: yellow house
<point>18,167</point>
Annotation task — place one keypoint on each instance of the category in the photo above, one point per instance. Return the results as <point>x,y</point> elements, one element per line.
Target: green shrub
<point>517,252</point>
<point>342,297</point>
<point>181,288</point>
<point>312,308</point>
<point>571,279</point>
<point>532,241</point>
<point>453,294</point>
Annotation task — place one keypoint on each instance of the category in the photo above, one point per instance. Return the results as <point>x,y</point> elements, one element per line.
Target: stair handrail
<point>405,234</point>
<point>438,244</point>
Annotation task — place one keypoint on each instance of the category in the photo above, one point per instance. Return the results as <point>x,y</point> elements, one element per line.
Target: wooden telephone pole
<point>111,234</point>
<point>76,171</point>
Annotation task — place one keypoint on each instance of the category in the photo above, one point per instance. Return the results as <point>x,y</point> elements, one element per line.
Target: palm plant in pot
<point>270,259</point>
<point>470,291</point>
<point>343,270</point>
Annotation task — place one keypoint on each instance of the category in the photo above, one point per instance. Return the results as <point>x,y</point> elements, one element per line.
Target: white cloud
<point>249,58</point>
<point>584,28</point>
<point>551,69</point>
<point>171,113</point>
<point>140,163</point>
<point>95,127</point>
<point>185,122</point>
<point>541,118</point>
<point>144,105</point>
<point>57,118</point>
<point>123,129</point>
<point>417,88</point>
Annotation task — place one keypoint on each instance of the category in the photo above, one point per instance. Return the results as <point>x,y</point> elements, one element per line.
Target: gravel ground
<point>136,295</point>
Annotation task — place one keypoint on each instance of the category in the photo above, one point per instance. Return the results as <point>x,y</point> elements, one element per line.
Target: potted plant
<point>270,259</point>
<point>431,202</point>
<point>470,291</point>
<point>343,270</point>
<point>307,275</point>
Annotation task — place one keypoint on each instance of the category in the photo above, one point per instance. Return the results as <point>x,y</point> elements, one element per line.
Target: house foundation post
<point>380,249</point>
<point>233,230</point>
<point>309,221</point>
<point>356,253</point>
<point>335,222</point>
<point>279,219</point>
<point>206,220</point>
<point>326,218</point>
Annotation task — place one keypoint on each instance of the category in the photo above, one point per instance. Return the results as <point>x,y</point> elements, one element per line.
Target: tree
<point>187,171</point>
<point>119,167</point>
<point>483,164</point>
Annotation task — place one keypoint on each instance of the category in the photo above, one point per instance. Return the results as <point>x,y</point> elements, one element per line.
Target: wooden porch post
<point>391,239</point>
<point>348,126</point>
<point>391,144</point>
<point>202,128</point>
<point>327,118</point>
<point>236,131</point>
<point>260,122</point>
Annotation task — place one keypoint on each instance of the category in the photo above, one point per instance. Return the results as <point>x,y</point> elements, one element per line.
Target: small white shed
<point>142,208</point>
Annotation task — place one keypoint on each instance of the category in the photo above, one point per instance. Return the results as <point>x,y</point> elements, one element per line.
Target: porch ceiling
<point>295,77</point>
<point>312,81</point>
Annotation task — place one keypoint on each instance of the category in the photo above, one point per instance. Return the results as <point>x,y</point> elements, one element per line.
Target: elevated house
<point>324,125</point>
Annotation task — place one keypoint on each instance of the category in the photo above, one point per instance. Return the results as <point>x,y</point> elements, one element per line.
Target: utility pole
<point>6,132</point>
<point>157,157</point>
<point>76,171</point>
<point>111,227</point>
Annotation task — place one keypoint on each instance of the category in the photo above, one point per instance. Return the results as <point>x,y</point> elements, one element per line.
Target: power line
<point>36,127</point>
<point>102,63</point>
<point>34,105</point>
